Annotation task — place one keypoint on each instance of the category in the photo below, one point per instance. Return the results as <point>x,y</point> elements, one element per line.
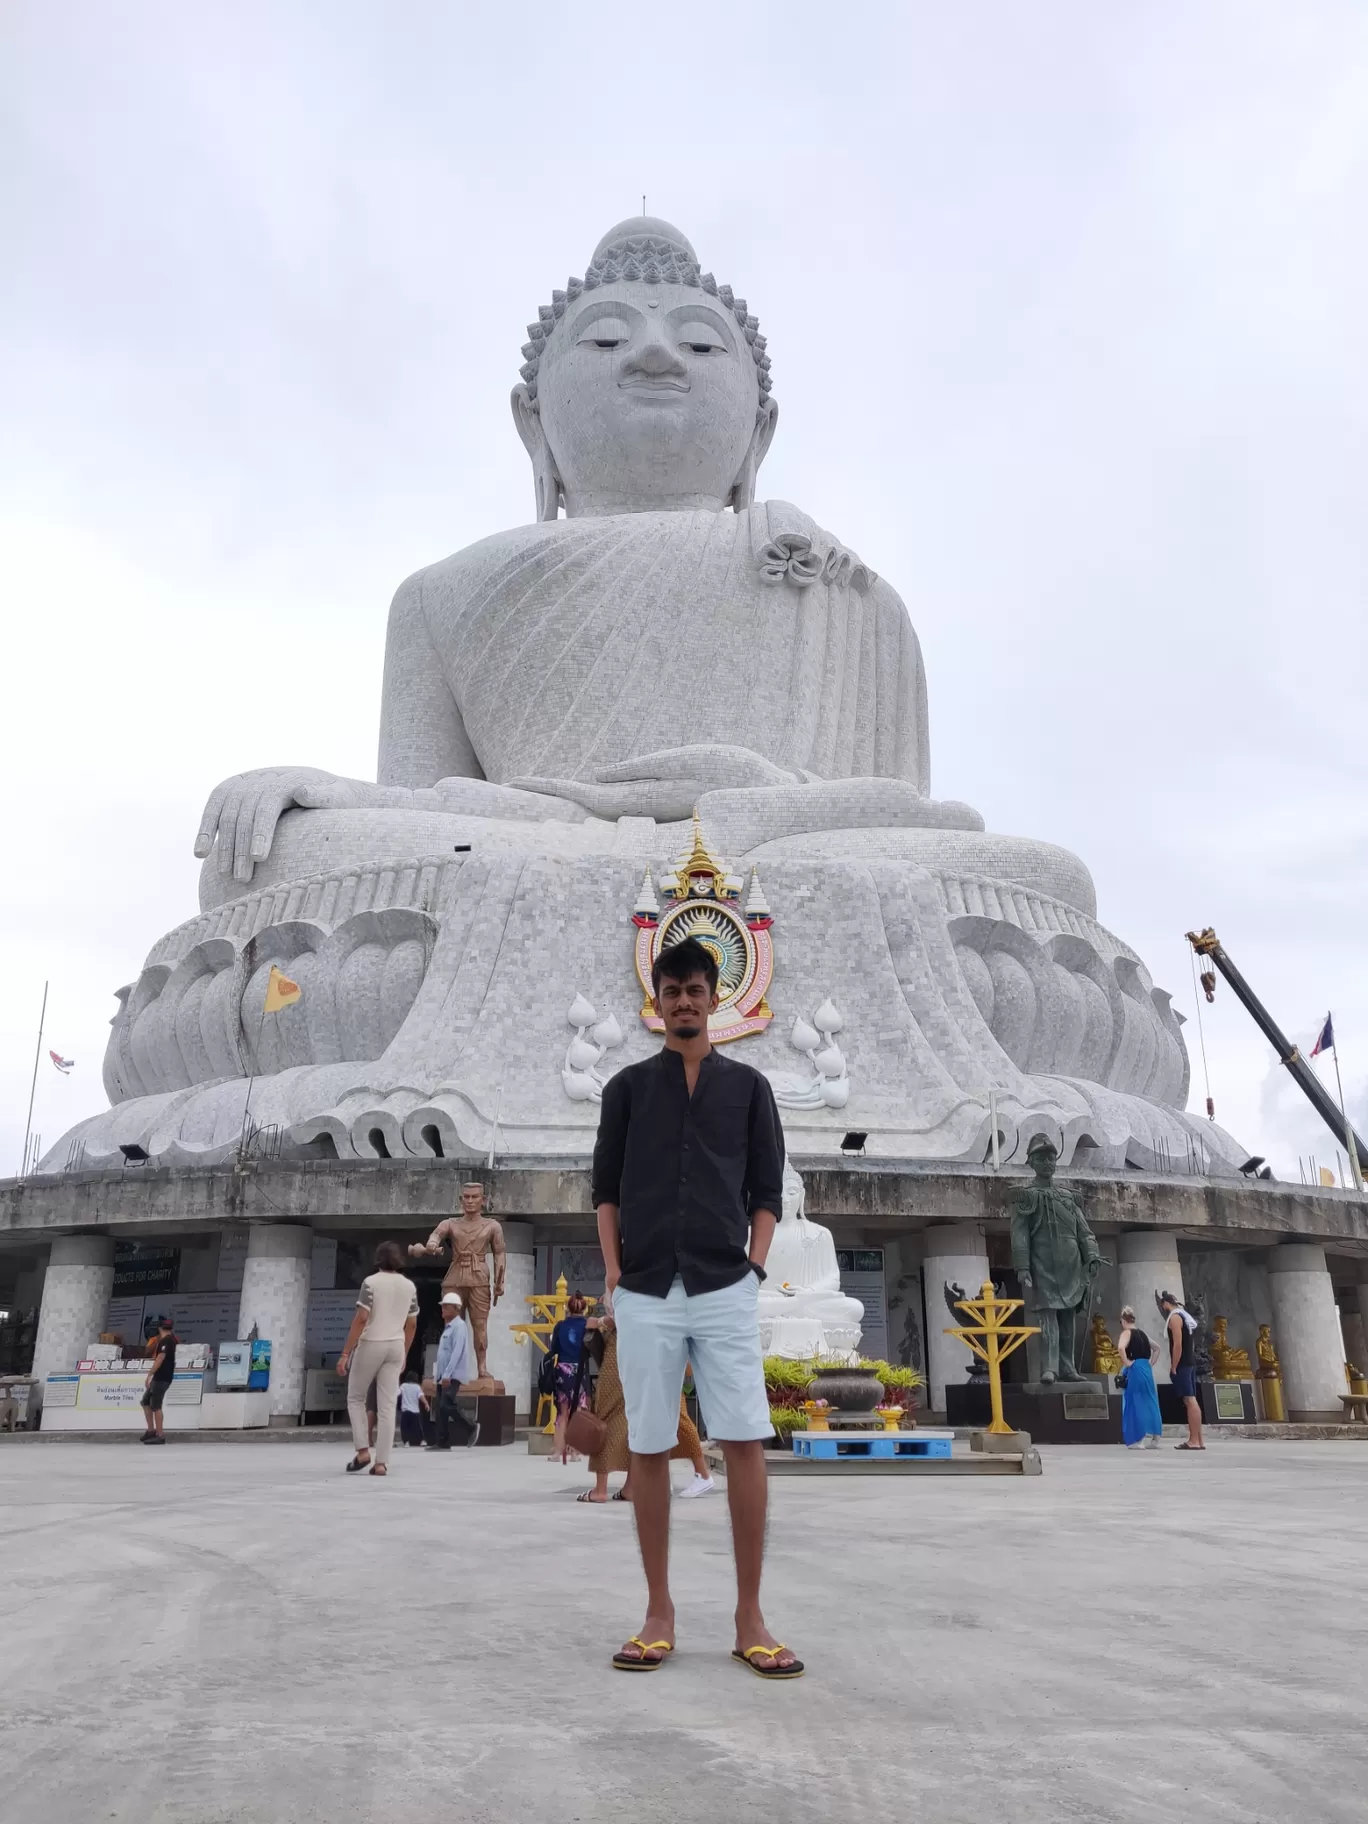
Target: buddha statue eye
<point>606,332</point>
<point>700,338</point>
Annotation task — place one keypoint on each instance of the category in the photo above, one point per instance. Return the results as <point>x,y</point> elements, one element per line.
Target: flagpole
<point>1354,1165</point>
<point>33,1086</point>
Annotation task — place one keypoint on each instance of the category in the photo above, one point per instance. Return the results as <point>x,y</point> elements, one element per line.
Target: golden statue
<point>1269,1377</point>
<point>1106,1357</point>
<point>1227,1362</point>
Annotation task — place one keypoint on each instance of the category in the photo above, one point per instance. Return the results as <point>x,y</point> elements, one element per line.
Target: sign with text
<point>110,1392</point>
<point>862,1277</point>
<point>139,1267</point>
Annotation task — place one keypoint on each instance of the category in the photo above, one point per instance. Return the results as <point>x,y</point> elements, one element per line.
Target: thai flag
<point>63,1064</point>
<point>1326,1041</point>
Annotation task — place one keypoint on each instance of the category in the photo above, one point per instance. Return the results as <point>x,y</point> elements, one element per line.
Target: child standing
<point>413,1403</point>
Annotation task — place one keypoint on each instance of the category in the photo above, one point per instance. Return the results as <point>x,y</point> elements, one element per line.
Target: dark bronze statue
<point>1055,1253</point>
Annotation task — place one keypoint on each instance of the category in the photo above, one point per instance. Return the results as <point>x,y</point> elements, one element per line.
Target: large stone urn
<point>852,1393</point>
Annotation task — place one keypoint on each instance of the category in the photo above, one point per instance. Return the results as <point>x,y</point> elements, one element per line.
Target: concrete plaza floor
<point>217,1632</point>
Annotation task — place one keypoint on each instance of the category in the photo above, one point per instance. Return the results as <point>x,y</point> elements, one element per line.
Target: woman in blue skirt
<point>1140,1421</point>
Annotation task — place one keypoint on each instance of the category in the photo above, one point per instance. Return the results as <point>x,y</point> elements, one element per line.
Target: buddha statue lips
<point>558,700</point>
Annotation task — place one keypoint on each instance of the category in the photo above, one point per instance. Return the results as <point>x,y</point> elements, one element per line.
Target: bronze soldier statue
<point>472,1237</point>
<point>1056,1255</point>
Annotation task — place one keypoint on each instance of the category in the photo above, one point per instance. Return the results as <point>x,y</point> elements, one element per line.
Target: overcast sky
<point>1067,309</point>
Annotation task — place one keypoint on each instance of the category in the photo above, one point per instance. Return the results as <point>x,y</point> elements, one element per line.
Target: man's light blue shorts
<point>719,1332</point>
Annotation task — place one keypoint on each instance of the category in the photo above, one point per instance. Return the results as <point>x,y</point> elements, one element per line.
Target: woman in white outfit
<point>376,1349</point>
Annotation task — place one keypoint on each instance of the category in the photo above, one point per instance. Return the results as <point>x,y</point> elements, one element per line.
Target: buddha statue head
<point>645,385</point>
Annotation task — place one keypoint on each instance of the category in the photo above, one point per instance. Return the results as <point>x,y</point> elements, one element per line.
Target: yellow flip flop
<point>747,1659</point>
<point>626,1664</point>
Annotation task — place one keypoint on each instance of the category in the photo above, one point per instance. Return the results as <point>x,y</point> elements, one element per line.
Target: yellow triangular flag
<point>280,991</point>
<point>1327,1176</point>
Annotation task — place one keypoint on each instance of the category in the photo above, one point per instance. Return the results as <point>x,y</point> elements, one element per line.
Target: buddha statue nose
<point>654,357</point>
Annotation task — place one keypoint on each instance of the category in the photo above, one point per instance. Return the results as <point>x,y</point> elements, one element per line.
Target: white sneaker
<point>1151,1443</point>
<point>700,1485</point>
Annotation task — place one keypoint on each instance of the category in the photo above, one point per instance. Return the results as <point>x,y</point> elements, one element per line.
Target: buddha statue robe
<point>563,653</point>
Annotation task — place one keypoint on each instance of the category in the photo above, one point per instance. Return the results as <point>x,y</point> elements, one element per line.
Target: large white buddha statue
<point>558,700</point>
<point>803,1311</point>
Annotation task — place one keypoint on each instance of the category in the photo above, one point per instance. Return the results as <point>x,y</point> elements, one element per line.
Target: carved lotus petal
<point>830,1062</point>
<point>607,1033</point>
<point>582,1012</point>
<point>582,1055</point>
<point>805,1037</point>
<point>826,1018</point>
<point>578,1087</point>
<point>836,1092</point>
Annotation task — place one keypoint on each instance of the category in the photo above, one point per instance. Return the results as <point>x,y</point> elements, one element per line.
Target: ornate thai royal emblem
<point>700,899</point>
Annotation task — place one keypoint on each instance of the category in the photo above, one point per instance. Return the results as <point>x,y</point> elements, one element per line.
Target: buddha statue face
<point>645,393</point>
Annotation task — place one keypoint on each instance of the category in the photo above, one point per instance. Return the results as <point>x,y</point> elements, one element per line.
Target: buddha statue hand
<point>242,813</point>
<point>665,785</point>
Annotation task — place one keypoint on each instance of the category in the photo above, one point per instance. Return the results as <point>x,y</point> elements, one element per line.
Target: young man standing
<point>159,1377</point>
<point>1181,1327</point>
<point>688,1180</point>
<point>453,1366</point>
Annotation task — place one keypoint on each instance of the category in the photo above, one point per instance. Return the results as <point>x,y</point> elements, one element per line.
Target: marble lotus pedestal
<point>803,1311</point>
<point>541,752</point>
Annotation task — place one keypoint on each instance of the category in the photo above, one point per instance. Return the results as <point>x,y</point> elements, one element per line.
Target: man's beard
<point>687,1032</point>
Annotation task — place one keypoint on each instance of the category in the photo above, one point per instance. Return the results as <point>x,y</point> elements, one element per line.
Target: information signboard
<point>862,1277</point>
<point>234,1365</point>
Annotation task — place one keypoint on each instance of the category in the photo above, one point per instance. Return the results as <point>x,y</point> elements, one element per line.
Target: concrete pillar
<point>80,1278</point>
<point>954,1251</point>
<point>275,1297</point>
<point>509,1360</point>
<point>1306,1331</point>
<point>1147,1262</point>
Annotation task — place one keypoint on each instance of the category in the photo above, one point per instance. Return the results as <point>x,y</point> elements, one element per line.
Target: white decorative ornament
<point>594,1039</point>
<point>829,1084</point>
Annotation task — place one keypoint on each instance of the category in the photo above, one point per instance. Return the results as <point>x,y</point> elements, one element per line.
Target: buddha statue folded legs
<point>559,700</point>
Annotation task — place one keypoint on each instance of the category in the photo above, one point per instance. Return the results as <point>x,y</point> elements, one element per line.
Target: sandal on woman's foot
<point>795,1670</point>
<point>588,1498</point>
<point>379,1469</point>
<point>1189,1447</point>
<point>627,1662</point>
<point>356,1463</point>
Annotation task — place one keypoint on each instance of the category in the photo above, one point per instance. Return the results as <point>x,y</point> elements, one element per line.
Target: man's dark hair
<point>388,1258</point>
<point>681,960</point>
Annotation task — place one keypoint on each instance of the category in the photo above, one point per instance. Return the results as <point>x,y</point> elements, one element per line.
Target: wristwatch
<point>758,1270</point>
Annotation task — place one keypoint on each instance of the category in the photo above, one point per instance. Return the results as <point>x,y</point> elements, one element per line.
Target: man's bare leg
<point>650,1479</point>
<point>748,1500</point>
<point>1194,1422</point>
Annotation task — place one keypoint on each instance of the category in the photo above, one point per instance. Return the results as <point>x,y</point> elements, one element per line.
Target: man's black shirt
<point>687,1172</point>
<point>165,1347</point>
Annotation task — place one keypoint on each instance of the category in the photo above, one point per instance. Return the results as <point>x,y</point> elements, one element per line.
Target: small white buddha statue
<point>803,1311</point>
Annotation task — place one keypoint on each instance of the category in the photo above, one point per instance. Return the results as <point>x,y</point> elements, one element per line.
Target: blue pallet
<point>830,1445</point>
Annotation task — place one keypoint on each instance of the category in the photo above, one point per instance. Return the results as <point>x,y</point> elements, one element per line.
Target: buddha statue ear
<point>743,488</point>
<point>548,482</point>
